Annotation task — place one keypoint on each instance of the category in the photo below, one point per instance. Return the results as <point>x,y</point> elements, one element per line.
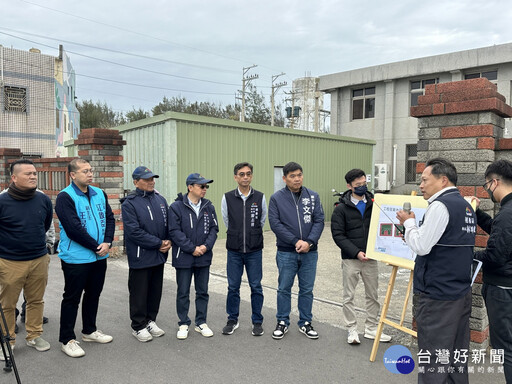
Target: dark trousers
<point>235,270</point>
<point>145,287</point>
<point>443,324</point>
<point>81,278</point>
<point>498,302</point>
<point>183,279</point>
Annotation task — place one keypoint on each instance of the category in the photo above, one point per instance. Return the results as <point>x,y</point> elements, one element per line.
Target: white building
<point>374,102</point>
<point>38,112</point>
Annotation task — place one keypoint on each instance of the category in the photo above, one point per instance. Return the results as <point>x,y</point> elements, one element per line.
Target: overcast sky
<point>198,48</point>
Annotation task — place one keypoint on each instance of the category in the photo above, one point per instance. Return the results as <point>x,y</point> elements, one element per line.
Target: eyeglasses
<point>490,181</point>
<point>85,171</point>
<point>243,174</point>
<point>203,186</point>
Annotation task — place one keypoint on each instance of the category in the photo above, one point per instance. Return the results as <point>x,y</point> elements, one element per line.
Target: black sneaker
<point>308,330</point>
<point>281,329</point>
<point>230,327</point>
<point>257,329</point>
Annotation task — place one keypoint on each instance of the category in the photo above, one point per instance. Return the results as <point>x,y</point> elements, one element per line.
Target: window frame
<point>410,164</point>
<point>9,105</point>
<point>365,98</point>
<point>420,91</point>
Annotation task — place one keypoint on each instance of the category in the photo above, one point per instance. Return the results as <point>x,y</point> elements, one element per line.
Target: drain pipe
<point>395,147</point>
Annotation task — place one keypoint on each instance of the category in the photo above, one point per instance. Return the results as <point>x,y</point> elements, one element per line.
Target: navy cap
<point>196,178</point>
<point>142,173</point>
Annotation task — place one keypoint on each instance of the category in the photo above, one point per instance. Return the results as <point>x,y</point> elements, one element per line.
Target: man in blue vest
<point>87,228</point>
<point>244,211</point>
<point>442,274</point>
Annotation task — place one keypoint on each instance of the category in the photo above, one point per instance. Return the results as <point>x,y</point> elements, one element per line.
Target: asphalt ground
<point>237,358</point>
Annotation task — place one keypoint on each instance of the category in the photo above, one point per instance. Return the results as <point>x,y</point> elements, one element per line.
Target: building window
<point>411,159</point>
<point>489,75</point>
<point>418,89</point>
<point>363,103</point>
<point>15,99</point>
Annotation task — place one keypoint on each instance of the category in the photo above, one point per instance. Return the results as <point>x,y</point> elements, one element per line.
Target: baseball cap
<point>196,178</point>
<point>142,173</point>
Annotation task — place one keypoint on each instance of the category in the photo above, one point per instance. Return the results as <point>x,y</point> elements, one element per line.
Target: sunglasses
<point>203,186</point>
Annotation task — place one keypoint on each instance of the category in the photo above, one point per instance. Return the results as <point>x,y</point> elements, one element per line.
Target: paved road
<point>239,358</point>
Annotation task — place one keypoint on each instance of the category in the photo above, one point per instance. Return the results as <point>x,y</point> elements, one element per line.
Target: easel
<point>394,261</point>
<point>383,320</point>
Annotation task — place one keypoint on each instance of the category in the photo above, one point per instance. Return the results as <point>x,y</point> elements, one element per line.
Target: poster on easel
<point>385,239</point>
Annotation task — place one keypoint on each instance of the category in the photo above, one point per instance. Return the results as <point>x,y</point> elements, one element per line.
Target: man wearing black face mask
<point>497,259</point>
<point>350,224</point>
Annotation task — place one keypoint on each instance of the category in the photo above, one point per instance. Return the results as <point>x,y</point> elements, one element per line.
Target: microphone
<point>406,208</point>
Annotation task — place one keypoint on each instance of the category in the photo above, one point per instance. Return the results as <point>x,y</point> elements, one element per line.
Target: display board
<point>385,241</point>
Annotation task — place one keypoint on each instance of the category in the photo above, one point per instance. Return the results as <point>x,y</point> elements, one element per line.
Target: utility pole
<point>245,81</point>
<point>317,109</point>
<point>275,88</point>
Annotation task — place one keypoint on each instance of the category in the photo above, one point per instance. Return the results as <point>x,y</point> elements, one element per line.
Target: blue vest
<point>445,273</point>
<point>92,214</point>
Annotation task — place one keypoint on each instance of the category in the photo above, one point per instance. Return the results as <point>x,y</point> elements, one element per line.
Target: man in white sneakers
<point>87,228</point>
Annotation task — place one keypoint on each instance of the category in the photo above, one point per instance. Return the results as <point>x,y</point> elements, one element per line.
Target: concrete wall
<point>392,123</point>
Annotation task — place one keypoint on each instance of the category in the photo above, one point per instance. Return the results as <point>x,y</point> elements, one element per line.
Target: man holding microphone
<point>442,273</point>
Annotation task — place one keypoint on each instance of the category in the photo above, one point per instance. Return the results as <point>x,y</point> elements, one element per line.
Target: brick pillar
<point>463,122</point>
<point>7,154</point>
<point>102,148</point>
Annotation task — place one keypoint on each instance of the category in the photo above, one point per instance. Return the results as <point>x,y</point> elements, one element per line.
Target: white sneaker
<point>353,337</point>
<point>143,335</point>
<point>154,329</point>
<point>97,337</point>
<point>204,330</point>
<point>182,332</point>
<point>72,349</point>
<point>2,357</point>
<point>372,334</point>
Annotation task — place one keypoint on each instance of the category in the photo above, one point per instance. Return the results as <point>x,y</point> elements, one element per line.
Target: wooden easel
<point>383,320</point>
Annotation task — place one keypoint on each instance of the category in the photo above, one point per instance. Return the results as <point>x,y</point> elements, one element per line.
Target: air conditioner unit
<point>381,178</point>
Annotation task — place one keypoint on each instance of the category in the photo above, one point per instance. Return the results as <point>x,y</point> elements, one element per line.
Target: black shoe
<point>281,329</point>
<point>230,327</point>
<point>308,330</point>
<point>45,320</point>
<point>16,328</point>
<point>257,329</point>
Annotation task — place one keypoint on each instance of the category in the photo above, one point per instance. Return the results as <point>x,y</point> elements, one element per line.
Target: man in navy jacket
<point>145,232</point>
<point>296,217</point>
<point>193,230</point>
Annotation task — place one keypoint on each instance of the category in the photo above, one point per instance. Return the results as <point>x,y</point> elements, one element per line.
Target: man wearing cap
<point>193,231</point>
<point>87,227</point>
<point>144,214</point>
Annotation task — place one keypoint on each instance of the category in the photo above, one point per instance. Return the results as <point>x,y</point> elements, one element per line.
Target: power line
<point>124,65</point>
<point>132,84</point>
<point>134,32</point>
<point>121,52</point>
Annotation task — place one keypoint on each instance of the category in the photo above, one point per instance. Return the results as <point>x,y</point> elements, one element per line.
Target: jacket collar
<point>238,194</point>
<point>91,191</point>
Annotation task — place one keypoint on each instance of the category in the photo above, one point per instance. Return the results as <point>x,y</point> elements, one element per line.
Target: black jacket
<point>349,229</point>
<point>497,256</point>
<point>188,231</point>
<point>145,228</point>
